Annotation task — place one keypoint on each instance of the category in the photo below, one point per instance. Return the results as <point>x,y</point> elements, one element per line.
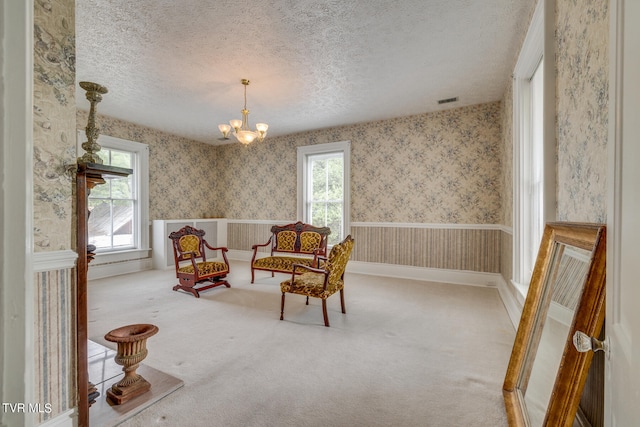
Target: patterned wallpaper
<point>182,172</point>
<point>442,167</point>
<point>54,115</point>
<point>582,109</point>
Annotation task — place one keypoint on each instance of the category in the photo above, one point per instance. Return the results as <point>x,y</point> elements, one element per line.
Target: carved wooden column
<point>88,176</point>
<point>90,172</point>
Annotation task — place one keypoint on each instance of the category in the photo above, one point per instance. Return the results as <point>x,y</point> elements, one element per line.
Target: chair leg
<point>342,300</point>
<point>189,289</point>
<point>324,312</point>
<point>307,299</point>
<point>282,308</point>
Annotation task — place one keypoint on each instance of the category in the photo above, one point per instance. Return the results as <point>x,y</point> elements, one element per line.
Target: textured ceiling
<point>176,66</point>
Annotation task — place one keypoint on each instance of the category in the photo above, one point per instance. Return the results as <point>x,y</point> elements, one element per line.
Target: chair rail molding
<point>456,226</point>
<point>56,260</point>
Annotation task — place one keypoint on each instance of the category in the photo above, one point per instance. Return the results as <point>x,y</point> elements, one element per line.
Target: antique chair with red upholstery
<point>192,267</point>
<point>320,282</point>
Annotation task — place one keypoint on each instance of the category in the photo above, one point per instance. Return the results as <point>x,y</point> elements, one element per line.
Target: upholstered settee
<point>296,243</point>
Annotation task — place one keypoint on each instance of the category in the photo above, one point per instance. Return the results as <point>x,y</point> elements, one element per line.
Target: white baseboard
<point>457,277</point>
<point>66,419</point>
<point>511,303</point>
<point>100,271</point>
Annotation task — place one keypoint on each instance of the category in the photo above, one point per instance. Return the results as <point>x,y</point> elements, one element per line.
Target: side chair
<point>321,282</point>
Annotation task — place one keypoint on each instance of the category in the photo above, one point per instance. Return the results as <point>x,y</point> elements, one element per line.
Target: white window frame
<point>535,47</point>
<point>141,183</point>
<point>304,153</point>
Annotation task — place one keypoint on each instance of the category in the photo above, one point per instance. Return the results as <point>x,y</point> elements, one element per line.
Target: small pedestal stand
<point>132,349</point>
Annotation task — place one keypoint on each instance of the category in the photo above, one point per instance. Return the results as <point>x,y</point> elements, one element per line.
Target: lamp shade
<point>225,129</point>
<point>236,124</point>
<point>246,136</point>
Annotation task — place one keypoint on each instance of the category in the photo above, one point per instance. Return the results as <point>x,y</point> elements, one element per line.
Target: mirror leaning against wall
<point>546,373</point>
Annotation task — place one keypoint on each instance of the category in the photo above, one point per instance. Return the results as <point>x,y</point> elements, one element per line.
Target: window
<point>534,172</point>
<point>323,187</point>
<point>533,150</point>
<point>118,220</point>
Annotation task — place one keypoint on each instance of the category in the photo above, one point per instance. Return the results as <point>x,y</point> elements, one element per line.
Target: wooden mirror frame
<point>588,318</point>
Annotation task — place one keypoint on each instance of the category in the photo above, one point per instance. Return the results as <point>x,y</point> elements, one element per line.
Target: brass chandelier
<point>241,129</point>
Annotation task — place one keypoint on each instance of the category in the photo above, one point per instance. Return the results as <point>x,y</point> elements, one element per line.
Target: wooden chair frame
<point>189,281</point>
<point>326,272</point>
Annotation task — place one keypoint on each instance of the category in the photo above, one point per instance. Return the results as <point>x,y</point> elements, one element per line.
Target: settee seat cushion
<point>281,263</point>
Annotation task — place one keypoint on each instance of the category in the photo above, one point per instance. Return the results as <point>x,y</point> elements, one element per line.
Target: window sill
<point>119,256</point>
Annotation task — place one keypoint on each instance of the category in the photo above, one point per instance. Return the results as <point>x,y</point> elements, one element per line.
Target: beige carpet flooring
<point>406,353</point>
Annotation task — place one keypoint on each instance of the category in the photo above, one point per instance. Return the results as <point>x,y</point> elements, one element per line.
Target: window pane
<point>121,159</point>
<point>335,181</point>
<point>123,228</point>
<point>105,155</point>
<point>318,214</point>
<point>112,206</point>
<point>102,191</point>
<point>121,188</point>
<point>325,204</point>
<point>324,188</point>
<point>100,223</point>
<point>318,180</point>
<point>534,180</point>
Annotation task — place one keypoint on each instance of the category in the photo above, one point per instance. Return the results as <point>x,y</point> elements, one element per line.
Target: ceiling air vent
<point>448,100</point>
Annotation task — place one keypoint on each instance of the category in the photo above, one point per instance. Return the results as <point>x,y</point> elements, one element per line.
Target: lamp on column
<point>241,129</point>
